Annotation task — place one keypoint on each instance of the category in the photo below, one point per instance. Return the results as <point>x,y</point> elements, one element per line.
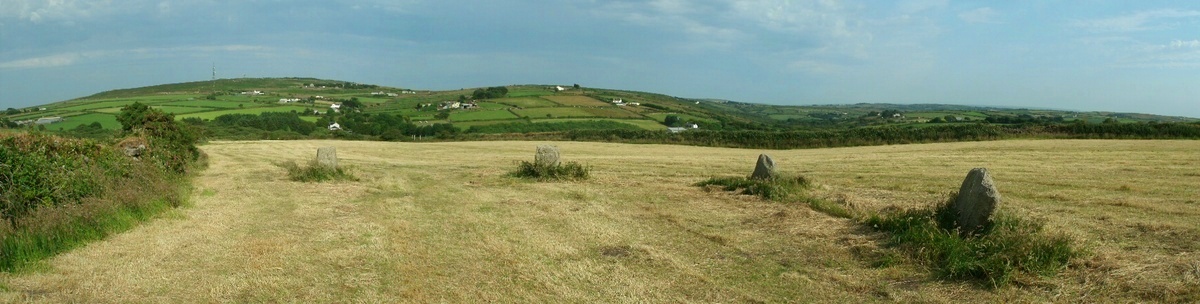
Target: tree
<point>576,86</point>
<point>671,120</point>
<point>12,111</point>
<point>353,103</point>
<point>442,114</point>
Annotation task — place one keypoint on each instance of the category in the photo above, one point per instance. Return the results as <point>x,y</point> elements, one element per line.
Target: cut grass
<point>612,112</point>
<point>777,189</point>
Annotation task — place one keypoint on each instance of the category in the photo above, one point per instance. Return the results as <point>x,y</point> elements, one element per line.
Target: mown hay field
<point>441,222</point>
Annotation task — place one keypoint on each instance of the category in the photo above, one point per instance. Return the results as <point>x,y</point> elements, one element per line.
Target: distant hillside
<point>565,107</point>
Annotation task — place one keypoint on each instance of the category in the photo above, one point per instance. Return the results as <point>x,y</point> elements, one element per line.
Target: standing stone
<point>976,201</point>
<point>327,157</point>
<point>765,169</point>
<point>546,156</point>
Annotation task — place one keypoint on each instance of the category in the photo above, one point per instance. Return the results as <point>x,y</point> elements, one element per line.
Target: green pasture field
<point>493,106</point>
<point>525,91</point>
<point>526,102</point>
<point>109,121</point>
<point>576,100</point>
<point>481,115</point>
<point>107,104</point>
<point>213,114</point>
<point>613,112</point>
<point>220,104</point>
<point>554,112</point>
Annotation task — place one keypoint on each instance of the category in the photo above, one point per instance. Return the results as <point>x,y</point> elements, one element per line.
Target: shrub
<point>314,172</point>
<point>995,256</point>
<point>568,171</point>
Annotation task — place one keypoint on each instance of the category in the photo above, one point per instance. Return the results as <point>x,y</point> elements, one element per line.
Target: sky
<point>1091,55</point>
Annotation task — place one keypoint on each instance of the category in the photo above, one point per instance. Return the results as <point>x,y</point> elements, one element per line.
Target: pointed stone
<point>765,169</point>
<point>546,156</point>
<point>327,157</point>
<point>977,200</point>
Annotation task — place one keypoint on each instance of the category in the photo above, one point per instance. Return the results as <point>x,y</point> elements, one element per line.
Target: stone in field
<point>327,157</point>
<point>765,169</point>
<point>976,201</point>
<point>546,156</point>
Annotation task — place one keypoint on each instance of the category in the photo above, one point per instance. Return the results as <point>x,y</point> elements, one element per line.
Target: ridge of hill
<point>521,106</point>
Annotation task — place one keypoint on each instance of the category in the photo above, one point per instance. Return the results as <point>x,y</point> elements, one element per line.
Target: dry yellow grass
<point>440,222</point>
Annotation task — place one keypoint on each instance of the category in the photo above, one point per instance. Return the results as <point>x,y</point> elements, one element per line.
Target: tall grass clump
<point>777,188</point>
<point>548,172</point>
<point>995,256</point>
<point>315,172</point>
<point>59,193</point>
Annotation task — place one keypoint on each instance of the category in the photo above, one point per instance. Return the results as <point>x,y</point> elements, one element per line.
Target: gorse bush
<point>59,193</point>
<point>995,256</point>
<point>314,172</point>
<point>567,171</point>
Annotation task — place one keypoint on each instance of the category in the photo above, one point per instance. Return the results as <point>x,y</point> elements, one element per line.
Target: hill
<point>441,222</point>
<point>524,108</point>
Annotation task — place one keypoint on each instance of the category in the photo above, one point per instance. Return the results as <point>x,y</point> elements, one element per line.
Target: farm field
<point>526,102</point>
<point>441,222</point>
<point>553,112</point>
<point>214,114</point>
<point>613,112</point>
<point>481,115</point>
<point>576,100</point>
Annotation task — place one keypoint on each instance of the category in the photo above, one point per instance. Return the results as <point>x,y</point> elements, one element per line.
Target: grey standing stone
<point>976,201</point>
<point>135,151</point>
<point>327,157</point>
<point>546,156</point>
<point>765,169</point>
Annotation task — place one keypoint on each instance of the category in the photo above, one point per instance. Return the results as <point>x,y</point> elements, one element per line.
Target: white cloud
<point>56,60</point>
<point>980,15</point>
<point>66,59</point>
<point>1178,44</point>
<point>1140,21</point>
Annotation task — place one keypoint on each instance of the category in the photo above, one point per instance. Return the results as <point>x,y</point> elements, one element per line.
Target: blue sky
<point>1126,56</point>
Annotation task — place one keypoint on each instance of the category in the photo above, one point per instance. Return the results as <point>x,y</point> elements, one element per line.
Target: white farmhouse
<point>336,107</point>
<point>334,127</point>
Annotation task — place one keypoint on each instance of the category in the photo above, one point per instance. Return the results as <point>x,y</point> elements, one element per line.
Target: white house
<point>692,126</point>
<point>334,127</point>
<point>392,94</point>
<point>634,103</point>
<point>336,107</point>
<point>676,129</point>
<point>617,101</point>
<point>287,100</point>
<point>559,88</point>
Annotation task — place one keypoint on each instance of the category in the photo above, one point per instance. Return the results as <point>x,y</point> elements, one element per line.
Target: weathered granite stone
<point>976,201</point>
<point>765,169</point>
<point>327,157</point>
<point>134,151</point>
<point>546,156</point>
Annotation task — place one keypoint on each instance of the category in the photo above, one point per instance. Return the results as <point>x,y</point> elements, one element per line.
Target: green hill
<point>521,107</point>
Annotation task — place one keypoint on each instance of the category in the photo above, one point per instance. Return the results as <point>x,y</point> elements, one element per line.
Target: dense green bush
<point>60,193</point>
